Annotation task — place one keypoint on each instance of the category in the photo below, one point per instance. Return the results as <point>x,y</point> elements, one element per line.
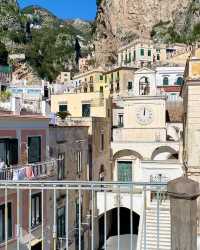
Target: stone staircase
<point>151,227</point>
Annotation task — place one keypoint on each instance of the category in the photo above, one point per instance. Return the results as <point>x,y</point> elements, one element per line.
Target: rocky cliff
<point>119,21</point>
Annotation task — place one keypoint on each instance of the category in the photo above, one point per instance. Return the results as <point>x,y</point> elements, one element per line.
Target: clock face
<point>144,115</point>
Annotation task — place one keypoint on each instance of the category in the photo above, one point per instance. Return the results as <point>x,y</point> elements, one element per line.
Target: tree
<point>3,54</point>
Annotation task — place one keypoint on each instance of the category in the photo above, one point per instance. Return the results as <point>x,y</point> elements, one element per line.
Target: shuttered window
<point>9,151</point>
<point>2,222</point>
<point>34,149</point>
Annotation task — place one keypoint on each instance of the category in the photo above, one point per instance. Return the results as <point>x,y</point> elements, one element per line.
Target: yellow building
<point>92,110</point>
<point>191,97</point>
<point>120,80</point>
<point>91,81</point>
<point>92,104</point>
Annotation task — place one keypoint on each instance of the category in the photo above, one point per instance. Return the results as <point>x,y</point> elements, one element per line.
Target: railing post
<point>183,194</point>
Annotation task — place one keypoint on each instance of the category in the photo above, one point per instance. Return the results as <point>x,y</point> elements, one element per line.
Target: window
<point>144,88</point>
<point>118,75</point>
<point>130,85</point>
<point>36,210</point>
<point>165,81</point>
<point>101,89</point>
<point>63,108</point>
<point>34,149</point>
<point>149,52</point>
<point>124,171</point>
<point>9,151</point>
<point>91,79</point>
<point>142,52</point>
<point>61,222</point>
<point>86,110</point>
<point>117,88</point>
<point>112,77</point>
<point>102,142</point>
<point>91,88</point>
<point>61,166</point>
<point>105,78</point>
<point>85,89</point>
<point>180,81</point>
<point>120,120</point>
<point>101,77</point>
<point>79,162</point>
<point>101,173</point>
<point>126,58</point>
<point>129,59</point>
<point>134,55</point>
<point>2,222</point>
<point>158,57</point>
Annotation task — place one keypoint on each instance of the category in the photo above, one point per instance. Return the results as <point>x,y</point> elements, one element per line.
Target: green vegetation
<point>4,96</point>
<point>185,29</point>
<point>48,46</point>
<point>63,114</point>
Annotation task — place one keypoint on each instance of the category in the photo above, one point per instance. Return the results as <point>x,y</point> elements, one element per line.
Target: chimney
<point>15,105</point>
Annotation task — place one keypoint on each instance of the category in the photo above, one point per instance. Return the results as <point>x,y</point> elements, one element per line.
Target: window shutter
<point>13,151</point>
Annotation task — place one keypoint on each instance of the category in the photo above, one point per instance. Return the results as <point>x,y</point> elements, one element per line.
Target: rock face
<point>119,21</point>
<point>9,15</point>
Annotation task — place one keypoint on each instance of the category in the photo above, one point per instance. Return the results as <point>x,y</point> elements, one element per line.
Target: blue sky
<point>66,9</point>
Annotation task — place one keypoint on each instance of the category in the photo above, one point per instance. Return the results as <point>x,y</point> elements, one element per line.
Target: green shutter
<point>124,171</point>
<point>13,151</point>
<point>34,149</point>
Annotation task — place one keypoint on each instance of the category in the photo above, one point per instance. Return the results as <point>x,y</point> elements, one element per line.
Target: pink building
<point>24,157</point>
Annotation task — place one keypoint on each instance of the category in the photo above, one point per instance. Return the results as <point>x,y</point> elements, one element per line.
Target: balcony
<point>136,207</point>
<point>29,171</point>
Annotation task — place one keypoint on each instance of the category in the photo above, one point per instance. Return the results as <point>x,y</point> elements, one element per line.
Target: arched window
<point>179,81</point>
<point>144,86</point>
<point>165,81</point>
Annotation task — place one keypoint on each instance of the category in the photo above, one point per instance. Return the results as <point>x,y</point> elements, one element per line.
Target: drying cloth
<point>29,173</point>
<point>19,174</point>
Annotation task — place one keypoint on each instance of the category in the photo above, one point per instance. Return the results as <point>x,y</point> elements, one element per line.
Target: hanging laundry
<point>19,174</point>
<point>29,173</point>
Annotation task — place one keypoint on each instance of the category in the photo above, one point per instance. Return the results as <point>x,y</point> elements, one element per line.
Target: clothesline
<point>30,164</point>
<point>28,171</point>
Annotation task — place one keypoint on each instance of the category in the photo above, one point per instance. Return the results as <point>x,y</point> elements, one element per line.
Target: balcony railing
<point>29,171</point>
<point>80,224</point>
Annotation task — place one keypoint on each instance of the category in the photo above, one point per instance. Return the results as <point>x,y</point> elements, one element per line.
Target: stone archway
<point>164,153</point>
<point>127,152</point>
<point>124,222</point>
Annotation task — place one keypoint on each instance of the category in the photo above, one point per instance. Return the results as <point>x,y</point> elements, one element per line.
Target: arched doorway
<point>123,164</point>
<point>112,223</point>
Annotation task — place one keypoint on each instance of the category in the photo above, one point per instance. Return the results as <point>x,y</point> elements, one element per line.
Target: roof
<point>120,68</point>
<point>170,88</point>
<point>22,115</point>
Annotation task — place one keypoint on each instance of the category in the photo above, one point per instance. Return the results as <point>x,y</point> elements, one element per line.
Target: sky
<point>66,9</point>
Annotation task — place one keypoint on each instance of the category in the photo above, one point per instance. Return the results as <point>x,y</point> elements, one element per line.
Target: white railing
<point>23,203</point>
<point>29,171</point>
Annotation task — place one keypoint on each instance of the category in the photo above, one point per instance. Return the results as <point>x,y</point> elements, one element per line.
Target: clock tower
<point>145,117</point>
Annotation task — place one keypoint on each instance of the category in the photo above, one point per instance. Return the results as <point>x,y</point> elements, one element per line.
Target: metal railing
<point>80,224</point>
